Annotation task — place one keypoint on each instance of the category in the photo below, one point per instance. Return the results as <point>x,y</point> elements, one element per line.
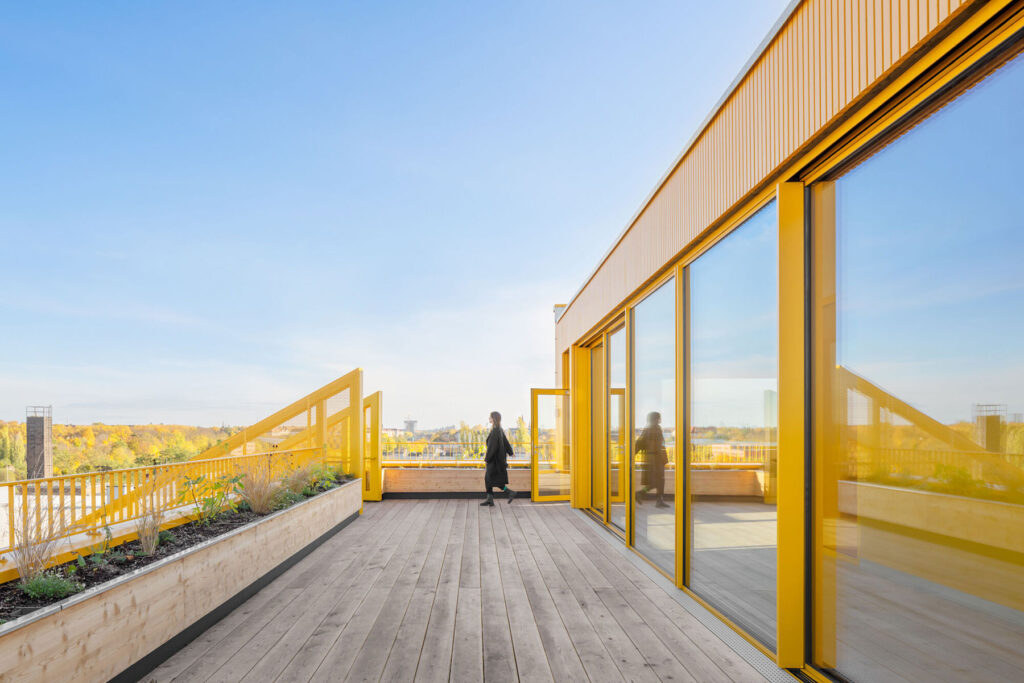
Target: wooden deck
<point>447,590</point>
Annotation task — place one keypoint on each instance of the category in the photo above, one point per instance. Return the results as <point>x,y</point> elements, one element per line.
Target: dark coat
<point>498,450</point>
<point>652,444</point>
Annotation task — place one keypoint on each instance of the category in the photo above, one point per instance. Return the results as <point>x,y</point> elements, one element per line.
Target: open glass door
<point>549,443</point>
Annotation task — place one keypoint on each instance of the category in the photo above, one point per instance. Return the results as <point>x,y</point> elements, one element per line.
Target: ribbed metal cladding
<point>825,54</point>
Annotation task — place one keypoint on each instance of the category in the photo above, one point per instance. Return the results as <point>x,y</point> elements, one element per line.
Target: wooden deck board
<point>206,654</point>
<point>385,591</point>
<point>446,590</point>
<point>404,658</point>
<point>436,654</point>
<point>499,658</point>
<point>304,663</point>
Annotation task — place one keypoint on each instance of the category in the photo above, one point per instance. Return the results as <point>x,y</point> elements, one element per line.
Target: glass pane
<point>654,405</point>
<point>919,386</point>
<point>552,445</point>
<point>598,464</point>
<point>616,428</point>
<point>734,370</point>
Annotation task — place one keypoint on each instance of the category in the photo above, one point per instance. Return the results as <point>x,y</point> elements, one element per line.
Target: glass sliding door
<point>733,299</point>
<point>654,437</point>
<point>918,385</point>
<point>617,429</point>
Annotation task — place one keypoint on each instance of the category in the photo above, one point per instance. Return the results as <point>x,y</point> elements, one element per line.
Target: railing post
<point>10,515</point>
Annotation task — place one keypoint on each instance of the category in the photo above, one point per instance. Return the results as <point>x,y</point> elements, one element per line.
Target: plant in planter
<point>260,487</point>
<point>50,586</point>
<point>38,532</point>
<point>154,507</point>
<point>298,479</point>
<point>323,477</point>
<point>210,496</point>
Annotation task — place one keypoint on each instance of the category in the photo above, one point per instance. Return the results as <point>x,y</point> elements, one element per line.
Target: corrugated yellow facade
<point>826,56</point>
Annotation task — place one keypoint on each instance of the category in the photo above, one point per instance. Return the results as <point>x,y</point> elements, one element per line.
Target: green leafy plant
<point>323,477</point>
<point>166,536</point>
<point>50,586</point>
<point>98,552</point>
<point>210,496</point>
<point>289,498</point>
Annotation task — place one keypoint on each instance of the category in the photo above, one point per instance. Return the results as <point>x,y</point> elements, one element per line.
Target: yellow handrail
<point>88,502</point>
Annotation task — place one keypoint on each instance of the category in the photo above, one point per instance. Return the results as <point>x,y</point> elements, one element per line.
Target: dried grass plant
<point>38,535</point>
<point>261,487</point>
<point>154,502</point>
<point>299,479</point>
<point>148,526</point>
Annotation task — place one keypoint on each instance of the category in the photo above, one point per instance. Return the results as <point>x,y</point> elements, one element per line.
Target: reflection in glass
<point>552,445</point>
<point>654,398</point>
<point>919,386</point>
<point>616,430</point>
<point>734,380</point>
<point>598,463</point>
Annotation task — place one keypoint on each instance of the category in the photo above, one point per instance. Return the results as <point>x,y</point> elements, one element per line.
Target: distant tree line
<point>98,447</point>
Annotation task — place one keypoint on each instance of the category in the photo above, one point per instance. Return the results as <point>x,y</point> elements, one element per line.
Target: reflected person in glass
<point>498,450</point>
<point>651,444</point>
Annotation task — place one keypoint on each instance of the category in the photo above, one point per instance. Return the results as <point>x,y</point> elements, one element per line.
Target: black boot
<point>489,502</point>
<point>511,494</point>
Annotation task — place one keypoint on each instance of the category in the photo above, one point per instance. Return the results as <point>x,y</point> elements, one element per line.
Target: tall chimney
<point>39,441</point>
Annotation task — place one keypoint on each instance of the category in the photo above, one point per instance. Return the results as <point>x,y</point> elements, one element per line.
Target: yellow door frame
<point>534,450</point>
<point>579,453</point>
<point>682,478</point>
<point>791,506</point>
<point>373,486</point>
<point>599,428</point>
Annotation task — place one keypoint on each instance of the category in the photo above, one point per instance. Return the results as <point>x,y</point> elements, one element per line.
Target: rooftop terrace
<point>447,590</point>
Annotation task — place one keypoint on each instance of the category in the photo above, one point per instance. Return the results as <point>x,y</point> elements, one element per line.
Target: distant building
<point>410,425</point>
<point>39,441</point>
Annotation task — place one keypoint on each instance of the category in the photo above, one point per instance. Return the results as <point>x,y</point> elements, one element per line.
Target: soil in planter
<point>125,558</point>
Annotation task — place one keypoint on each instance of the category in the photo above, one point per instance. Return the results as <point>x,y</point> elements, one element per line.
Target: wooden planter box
<point>128,626</point>
<point>968,544</point>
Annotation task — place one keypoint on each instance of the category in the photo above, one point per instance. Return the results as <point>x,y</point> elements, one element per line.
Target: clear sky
<point>208,209</point>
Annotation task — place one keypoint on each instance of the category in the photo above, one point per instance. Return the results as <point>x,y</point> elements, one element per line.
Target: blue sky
<point>931,284</point>
<point>209,209</point>
<point>734,325</point>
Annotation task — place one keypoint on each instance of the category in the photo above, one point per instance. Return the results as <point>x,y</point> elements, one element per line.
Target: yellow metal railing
<point>86,503</point>
<point>448,454</point>
<point>729,453</point>
<point>471,454</point>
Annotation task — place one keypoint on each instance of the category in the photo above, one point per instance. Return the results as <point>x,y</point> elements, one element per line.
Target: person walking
<point>651,446</point>
<point>498,450</point>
